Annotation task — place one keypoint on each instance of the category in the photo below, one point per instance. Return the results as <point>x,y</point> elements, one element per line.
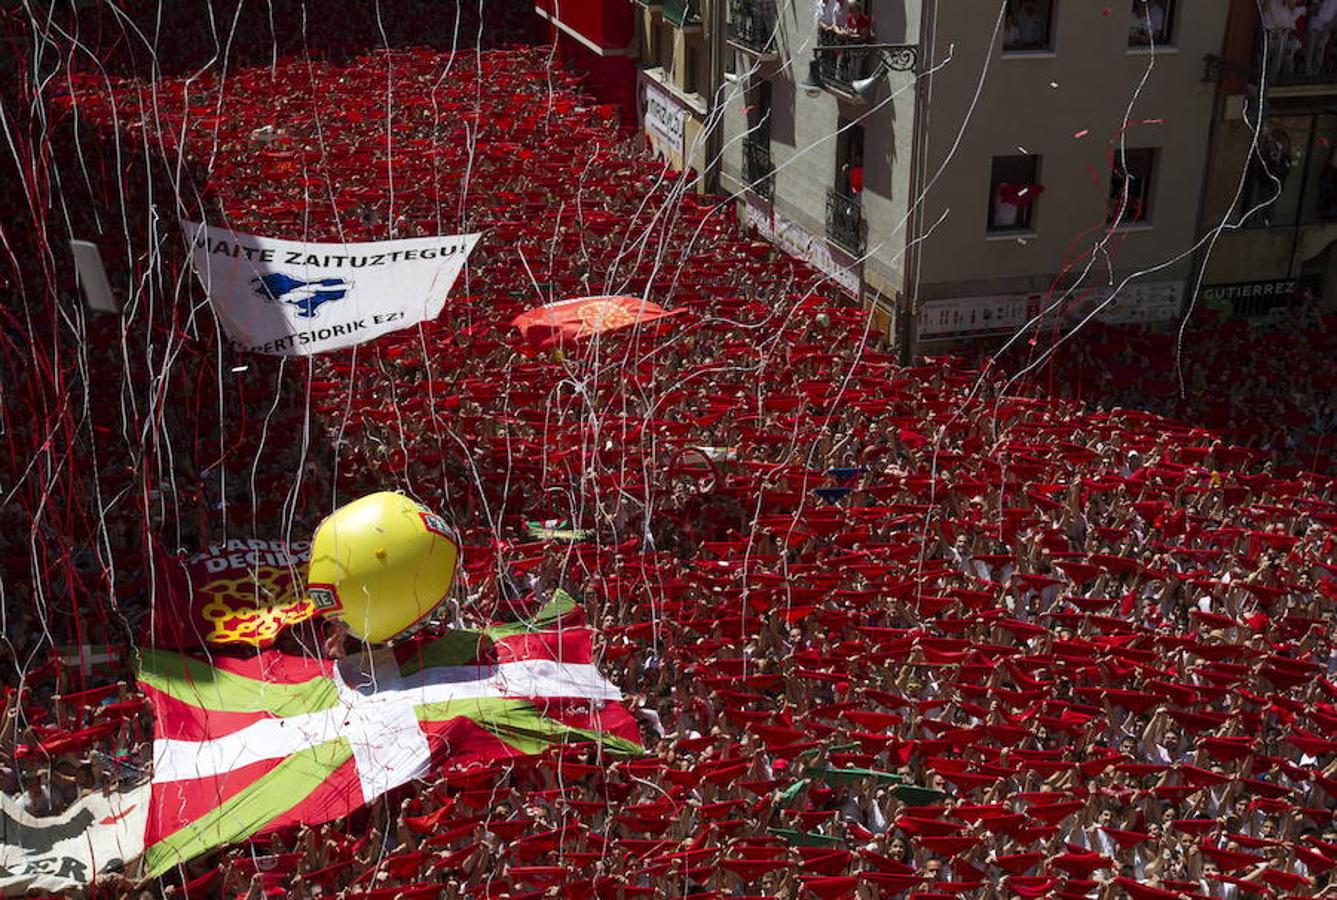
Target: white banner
<point>1138,303</point>
<point>93,837</point>
<point>295,298</point>
<point>842,269</point>
<point>665,119</point>
<point>976,316</point>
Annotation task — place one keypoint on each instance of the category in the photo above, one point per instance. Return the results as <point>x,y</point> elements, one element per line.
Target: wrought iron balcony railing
<point>842,62</point>
<point>844,222</point>
<point>758,170</point>
<point>752,25</point>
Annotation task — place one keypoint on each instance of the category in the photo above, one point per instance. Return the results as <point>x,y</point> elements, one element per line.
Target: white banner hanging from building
<point>296,298</point>
<point>665,119</point>
<point>55,854</point>
<point>1138,303</point>
<point>976,316</point>
<point>1005,314</point>
<point>793,239</point>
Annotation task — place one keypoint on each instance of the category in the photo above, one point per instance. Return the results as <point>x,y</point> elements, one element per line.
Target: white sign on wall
<point>976,316</point>
<point>665,119</point>
<point>814,250</point>
<point>1137,303</point>
<point>295,298</point>
<point>1005,314</point>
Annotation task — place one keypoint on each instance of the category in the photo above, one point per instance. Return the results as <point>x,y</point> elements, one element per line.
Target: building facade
<point>819,138</point>
<point>1271,210</point>
<point>1065,156</point>
<point>676,86</point>
<point>963,168</point>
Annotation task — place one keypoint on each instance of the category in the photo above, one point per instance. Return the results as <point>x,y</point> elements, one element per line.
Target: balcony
<point>1293,69</point>
<point>758,170</point>
<point>683,13</point>
<point>752,27</point>
<point>844,222</point>
<point>838,69</point>
<point>851,67</point>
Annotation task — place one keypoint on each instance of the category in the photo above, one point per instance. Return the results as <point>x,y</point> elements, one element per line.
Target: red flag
<point>245,746</point>
<point>237,591</point>
<point>583,317</point>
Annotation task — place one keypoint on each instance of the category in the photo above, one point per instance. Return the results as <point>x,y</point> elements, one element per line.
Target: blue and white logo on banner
<point>307,296</point>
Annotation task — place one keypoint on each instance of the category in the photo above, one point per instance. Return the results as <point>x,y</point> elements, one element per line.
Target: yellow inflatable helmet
<point>381,564</point>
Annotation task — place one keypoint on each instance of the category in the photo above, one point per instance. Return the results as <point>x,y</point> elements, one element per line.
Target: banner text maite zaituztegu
<point>238,250</point>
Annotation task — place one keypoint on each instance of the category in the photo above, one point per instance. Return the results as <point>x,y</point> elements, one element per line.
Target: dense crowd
<point>888,631</point>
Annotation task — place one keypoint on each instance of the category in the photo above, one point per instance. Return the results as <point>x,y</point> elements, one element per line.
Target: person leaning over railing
<point>858,29</point>
<point>1319,36</point>
<point>830,16</point>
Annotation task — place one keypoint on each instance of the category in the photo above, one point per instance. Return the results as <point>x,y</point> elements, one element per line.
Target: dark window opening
<point>1152,23</point>
<point>1014,188</point>
<point>758,99</point>
<point>1027,25</point>
<point>1130,186</point>
<point>849,160</point>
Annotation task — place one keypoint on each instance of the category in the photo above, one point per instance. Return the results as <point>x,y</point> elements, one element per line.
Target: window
<point>1274,183</point>
<point>662,52</point>
<point>758,99</point>
<point>689,79</point>
<point>1130,186</point>
<point>1291,177</point>
<point>1151,23</point>
<point>1014,188</point>
<point>757,166</point>
<point>849,159</point>
<point>1026,25</point>
<point>1319,204</point>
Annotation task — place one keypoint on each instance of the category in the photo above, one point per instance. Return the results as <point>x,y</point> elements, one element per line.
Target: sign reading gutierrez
<point>295,298</point>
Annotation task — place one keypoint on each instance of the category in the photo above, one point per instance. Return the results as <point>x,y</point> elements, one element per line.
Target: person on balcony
<point>1031,26</point>
<point>1321,21</point>
<point>1148,25</point>
<point>830,16</point>
<point>857,28</point>
<point>858,24</point>
<point>851,179</point>
<point>1012,203</point>
<point>1011,31</point>
<point>1280,20</point>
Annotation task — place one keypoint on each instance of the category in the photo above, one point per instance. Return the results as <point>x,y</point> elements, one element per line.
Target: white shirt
<point>829,12</point>
<point>1100,842</point>
<point>1324,17</point>
<point>1031,27</point>
<point>1155,15</point>
<point>1277,17</point>
<point>652,719</point>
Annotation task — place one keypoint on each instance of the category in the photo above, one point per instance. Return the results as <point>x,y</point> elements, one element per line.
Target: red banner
<point>240,591</point>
